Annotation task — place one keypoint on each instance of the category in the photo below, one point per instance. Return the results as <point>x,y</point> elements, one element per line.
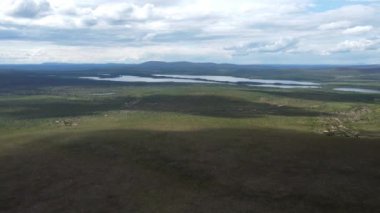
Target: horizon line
<point>172,62</point>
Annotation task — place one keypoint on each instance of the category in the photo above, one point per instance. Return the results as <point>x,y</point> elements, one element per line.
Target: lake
<point>285,86</point>
<point>209,79</point>
<point>232,79</point>
<point>131,78</point>
<point>348,89</point>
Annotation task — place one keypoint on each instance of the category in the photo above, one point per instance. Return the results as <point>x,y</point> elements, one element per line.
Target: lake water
<point>201,79</point>
<point>285,86</point>
<point>130,78</point>
<point>370,91</point>
<point>231,79</point>
<point>103,94</point>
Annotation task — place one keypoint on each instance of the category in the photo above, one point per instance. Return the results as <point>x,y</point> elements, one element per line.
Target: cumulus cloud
<point>279,45</point>
<point>239,29</point>
<point>358,30</point>
<point>121,13</point>
<point>335,25</point>
<point>39,52</point>
<point>356,45</point>
<point>28,8</point>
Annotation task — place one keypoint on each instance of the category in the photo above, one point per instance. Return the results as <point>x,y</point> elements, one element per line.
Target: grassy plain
<point>82,146</point>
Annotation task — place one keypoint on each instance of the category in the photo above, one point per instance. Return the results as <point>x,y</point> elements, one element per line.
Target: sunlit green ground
<point>185,148</point>
<point>180,108</point>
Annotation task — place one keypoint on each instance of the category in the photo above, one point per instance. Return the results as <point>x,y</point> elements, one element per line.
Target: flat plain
<point>69,144</point>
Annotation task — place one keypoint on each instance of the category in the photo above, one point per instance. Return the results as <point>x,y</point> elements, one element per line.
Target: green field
<point>82,146</point>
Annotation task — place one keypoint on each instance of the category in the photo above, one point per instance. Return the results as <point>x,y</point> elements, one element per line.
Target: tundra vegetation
<point>69,144</point>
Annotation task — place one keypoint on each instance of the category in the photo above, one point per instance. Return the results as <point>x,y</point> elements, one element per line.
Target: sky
<point>221,31</point>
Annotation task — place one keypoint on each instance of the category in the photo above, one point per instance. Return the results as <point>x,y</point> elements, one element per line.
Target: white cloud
<point>123,12</point>
<point>335,25</point>
<point>39,52</point>
<point>356,45</point>
<point>276,46</point>
<point>239,28</point>
<point>28,8</point>
<point>358,30</point>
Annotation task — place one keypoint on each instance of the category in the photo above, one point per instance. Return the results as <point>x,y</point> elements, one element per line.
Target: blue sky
<point>324,5</point>
<point>224,31</point>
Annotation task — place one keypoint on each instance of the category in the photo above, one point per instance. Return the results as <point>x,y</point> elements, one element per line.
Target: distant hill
<point>294,72</point>
<point>173,65</point>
